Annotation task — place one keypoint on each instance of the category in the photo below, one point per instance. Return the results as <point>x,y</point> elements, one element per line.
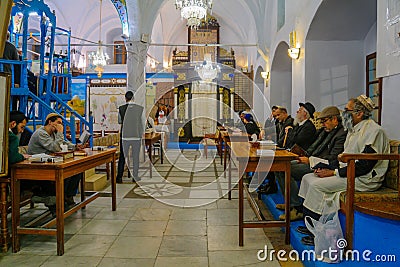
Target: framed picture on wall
<point>5,87</point>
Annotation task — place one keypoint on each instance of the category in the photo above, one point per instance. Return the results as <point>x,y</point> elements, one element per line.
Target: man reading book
<point>328,145</point>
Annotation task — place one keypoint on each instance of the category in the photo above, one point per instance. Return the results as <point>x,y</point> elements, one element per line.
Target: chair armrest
<point>345,157</point>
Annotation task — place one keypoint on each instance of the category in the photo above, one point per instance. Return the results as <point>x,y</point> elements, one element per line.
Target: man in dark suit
<point>303,132</point>
<point>328,145</point>
<point>284,120</point>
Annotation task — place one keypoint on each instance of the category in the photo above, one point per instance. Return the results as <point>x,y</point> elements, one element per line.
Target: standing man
<point>48,139</point>
<point>132,120</point>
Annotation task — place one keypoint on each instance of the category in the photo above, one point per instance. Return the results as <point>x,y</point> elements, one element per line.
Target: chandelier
<point>193,10</point>
<point>99,58</point>
<point>207,72</point>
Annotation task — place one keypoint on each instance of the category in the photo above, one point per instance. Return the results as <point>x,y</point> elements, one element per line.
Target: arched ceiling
<point>343,20</point>
<point>242,21</point>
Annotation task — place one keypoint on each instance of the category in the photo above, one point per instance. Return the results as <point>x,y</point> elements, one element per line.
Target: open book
<point>315,160</point>
<point>298,150</point>
<point>84,137</point>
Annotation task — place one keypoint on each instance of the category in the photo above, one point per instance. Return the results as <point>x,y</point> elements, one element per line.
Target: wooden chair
<point>384,203</point>
<point>5,208</point>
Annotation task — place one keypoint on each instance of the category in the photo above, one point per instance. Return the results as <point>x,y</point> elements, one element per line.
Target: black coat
<point>281,130</point>
<point>329,145</point>
<point>303,135</point>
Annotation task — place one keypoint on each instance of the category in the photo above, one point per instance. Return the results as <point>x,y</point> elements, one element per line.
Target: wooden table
<point>57,172</point>
<point>149,140</point>
<point>249,161</point>
<point>227,138</point>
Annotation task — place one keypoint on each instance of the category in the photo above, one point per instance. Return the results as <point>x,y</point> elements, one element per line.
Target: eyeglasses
<point>351,110</point>
<point>326,119</point>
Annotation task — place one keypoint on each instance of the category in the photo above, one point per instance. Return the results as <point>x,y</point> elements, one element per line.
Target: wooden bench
<point>384,202</point>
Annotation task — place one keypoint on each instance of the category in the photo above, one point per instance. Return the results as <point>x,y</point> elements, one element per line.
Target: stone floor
<point>198,228</point>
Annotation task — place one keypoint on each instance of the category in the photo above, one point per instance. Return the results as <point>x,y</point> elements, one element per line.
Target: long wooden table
<point>57,172</point>
<point>249,161</point>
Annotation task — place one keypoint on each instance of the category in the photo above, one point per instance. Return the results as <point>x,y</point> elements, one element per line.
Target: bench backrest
<point>392,174</point>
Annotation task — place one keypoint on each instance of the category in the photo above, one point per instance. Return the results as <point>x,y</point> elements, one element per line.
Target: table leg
<point>113,184</point>
<point>241,211</point>
<point>229,180</point>
<point>83,180</point>
<point>161,151</point>
<point>3,204</point>
<point>60,212</point>
<point>15,214</point>
<point>151,162</point>
<point>287,203</point>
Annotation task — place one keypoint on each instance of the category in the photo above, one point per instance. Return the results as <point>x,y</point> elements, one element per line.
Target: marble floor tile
<point>89,245</point>
<point>74,225</point>
<point>119,214</point>
<point>103,227</point>
<point>67,261</point>
<point>183,246</point>
<point>135,247</point>
<point>144,228</point>
<point>21,260</point>
<point>151,214</point>
<point>238,258</point>
<point>177,228</point>
<point>181,261</point>
<point>227,238</point>
<point>188,215</point>
<point>116,262</point>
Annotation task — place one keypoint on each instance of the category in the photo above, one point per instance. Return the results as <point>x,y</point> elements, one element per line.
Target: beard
<point>296,121</point>
<point>347,121</point>
<point>15,130</point>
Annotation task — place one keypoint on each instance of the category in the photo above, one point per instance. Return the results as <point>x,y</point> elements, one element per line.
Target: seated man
<point>328,145</point>
<point>271,125</point>
<point>48,139</point>
<point>284,120</point>
<point>303,131</point>
<point>250,125</point>
<point>323,187</point>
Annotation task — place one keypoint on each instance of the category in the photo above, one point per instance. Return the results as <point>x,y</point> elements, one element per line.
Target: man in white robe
<point>364,136</point>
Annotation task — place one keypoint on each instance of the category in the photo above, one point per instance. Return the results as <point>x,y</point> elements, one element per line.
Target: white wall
<point>390,106</point>
<point>281,89</point>
<point>334,72</point>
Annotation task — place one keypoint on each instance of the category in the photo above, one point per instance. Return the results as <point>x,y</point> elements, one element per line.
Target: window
<point>374,86</point>
<point>119,52</point>
<point>281,15</point>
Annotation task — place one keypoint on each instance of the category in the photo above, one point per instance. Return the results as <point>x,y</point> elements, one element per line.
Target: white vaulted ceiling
<point>241,21</point>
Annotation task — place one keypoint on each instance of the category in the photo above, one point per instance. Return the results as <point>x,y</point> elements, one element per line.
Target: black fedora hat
<point>309,107</point>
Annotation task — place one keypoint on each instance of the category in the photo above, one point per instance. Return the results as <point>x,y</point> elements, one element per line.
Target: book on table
<point>298,150</point>
<point>84,138</point>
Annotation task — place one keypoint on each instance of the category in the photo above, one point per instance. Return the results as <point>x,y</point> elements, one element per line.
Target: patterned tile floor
<point>187,221</point>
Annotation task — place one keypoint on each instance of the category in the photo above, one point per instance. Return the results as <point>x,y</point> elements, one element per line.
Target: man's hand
<point>59,128</point>
<point>324,173</point>
<point>80,146</point>
<point>27,156</point>
<point>303,160</point>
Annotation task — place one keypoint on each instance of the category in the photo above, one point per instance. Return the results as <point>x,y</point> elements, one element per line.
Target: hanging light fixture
<point>100,57</point>
<point>193,10</point>
<point>207,72</point>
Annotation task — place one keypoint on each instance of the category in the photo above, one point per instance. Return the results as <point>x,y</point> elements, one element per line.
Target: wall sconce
<point>294,49</point>
<point>294,52</point>
<point>265,75</point>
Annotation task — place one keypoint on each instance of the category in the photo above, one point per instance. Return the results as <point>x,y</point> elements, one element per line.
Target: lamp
<point>100,57</point>
<point>206,70</point>
<point>294,49</point>
<point>265,75</point>
<point>193,10</point>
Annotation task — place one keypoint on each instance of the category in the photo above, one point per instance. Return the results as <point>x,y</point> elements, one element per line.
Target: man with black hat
<point>303,132</point>
<point>328,145</point>
<point>323,187</point>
